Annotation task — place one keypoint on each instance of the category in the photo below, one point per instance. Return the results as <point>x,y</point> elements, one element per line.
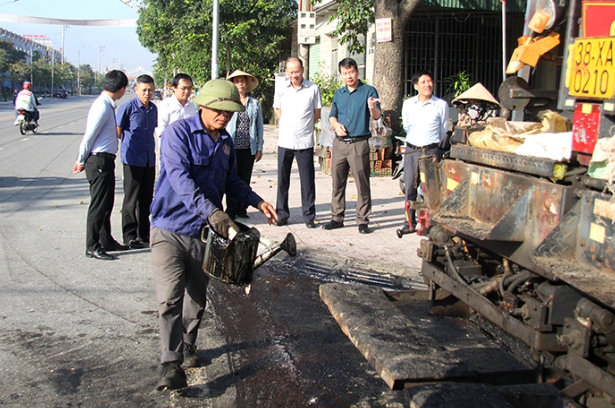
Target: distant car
<point>157,94</point>
<point>60,93</point>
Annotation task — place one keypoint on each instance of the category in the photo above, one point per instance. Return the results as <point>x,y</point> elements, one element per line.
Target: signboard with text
<point>383,30</point>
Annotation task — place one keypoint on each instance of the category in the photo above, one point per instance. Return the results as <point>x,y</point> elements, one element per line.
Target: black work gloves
<point>222,224</point>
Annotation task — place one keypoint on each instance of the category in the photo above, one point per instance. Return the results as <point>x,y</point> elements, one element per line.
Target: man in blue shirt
<point>197,169</point>
<point>97,157</point>
<point>136,122</point>
<point>425,120</point>
<point>351,110</point>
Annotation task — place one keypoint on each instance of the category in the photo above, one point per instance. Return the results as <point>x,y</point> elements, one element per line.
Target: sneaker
<point>191,359</point>
<point>173,377</point>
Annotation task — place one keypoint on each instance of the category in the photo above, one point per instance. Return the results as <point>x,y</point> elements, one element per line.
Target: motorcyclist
<point>26,100</point>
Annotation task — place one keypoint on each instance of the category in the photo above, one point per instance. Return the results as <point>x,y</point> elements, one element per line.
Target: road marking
<point>25,139</point>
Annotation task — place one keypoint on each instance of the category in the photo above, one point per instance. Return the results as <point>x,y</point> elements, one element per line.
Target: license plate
<point>20,118</point>
<point>592,69</point>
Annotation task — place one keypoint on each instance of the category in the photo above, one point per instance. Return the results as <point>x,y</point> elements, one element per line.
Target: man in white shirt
<point>425,120</point>
<point>297,106</point>
<point>178,106</point>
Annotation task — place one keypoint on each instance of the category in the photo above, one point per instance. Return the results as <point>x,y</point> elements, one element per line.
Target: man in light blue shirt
<point>97,157</point>
<point>425,120</point>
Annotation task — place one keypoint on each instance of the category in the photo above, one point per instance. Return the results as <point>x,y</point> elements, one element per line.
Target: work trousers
<point>181,285</point>
<point>344,157</point>
<point>245,164</point>
<point>411,177</point>
<point>138,195</point>
<point>100,172</point>
<point>305,163</point>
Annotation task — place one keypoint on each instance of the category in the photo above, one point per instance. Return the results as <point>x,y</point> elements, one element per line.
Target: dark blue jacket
<point>195,173</point>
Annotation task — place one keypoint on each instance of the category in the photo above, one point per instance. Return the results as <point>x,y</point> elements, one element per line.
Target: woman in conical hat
<point>246,129</point>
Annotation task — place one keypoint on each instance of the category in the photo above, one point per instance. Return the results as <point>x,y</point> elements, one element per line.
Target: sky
<point>122,49</point>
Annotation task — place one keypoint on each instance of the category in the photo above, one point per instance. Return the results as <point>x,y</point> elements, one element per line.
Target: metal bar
<point>509,161</point>
<point>594,375</point>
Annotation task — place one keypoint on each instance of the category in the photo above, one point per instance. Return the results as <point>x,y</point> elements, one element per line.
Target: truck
<point>531,251</point>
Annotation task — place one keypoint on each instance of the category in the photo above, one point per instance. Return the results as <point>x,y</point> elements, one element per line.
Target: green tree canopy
<point>251,34</point>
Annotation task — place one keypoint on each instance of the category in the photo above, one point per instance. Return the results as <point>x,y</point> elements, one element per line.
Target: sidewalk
<point>381,249</point>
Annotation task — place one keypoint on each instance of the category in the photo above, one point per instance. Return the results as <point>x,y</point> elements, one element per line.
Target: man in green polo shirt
<point>351,109</point>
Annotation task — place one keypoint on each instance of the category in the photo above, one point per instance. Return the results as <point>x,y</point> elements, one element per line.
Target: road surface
<point>76,331</point>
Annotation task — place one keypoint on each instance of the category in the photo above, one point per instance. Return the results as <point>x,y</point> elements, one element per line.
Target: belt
<point>105,155</point>
<point>429,146</point>
<point>348,139</point>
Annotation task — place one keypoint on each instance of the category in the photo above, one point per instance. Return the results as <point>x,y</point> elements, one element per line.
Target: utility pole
<point>100,50</point>
<point>79,72</point>
<point>63,31</point>
<point>53,62</point>
<point>215,40</point>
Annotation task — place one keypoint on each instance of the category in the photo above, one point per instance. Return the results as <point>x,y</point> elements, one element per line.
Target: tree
<point>251,34</point>
<point>354,17</point>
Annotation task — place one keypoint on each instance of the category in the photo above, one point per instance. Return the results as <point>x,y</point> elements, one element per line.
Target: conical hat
<point>479,92</point>
<point>251,81</point>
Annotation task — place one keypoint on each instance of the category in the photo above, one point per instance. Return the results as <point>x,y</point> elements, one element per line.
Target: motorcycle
<point>25,122</point>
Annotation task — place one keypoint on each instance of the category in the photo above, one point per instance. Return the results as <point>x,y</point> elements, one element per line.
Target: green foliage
<point>328,84</point>
<point>458,83</point>
<point>251,34</point>
<point>354,18</point>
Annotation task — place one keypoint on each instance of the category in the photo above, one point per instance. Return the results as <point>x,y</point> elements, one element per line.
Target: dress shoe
<point>281,222</point>
<point>116,246</point>
<point>333,225</point>
<point>173,377</point>
<point>136,244</point>
<point>99,253</point>
<point>310,224</point>
<point>364,229</point>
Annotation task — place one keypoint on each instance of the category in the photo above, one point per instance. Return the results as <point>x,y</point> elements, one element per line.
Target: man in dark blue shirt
<point>351,109</point>
<point>136,121</point>
<point>196,170</point>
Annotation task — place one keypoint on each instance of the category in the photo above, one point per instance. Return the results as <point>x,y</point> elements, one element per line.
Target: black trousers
<point>305,163</point>
<point>138,194</point>
<point>245,164</point>
<point>100,172</point>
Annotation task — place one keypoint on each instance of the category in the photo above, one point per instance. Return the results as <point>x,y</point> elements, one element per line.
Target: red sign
<point>598,18</point>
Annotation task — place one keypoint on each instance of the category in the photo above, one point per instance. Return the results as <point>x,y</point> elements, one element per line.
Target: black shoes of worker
<point>173,377</point>
<point>99,253</point>
<point>116,246</point>
<point>333,225</point>
<point>190,357</point>
<point>281,222</point>
<point>136,244</point>
<point>364,229</point>
<point>310,224</point>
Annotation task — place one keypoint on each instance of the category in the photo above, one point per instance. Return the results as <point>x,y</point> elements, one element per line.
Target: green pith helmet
<point>221,95</point>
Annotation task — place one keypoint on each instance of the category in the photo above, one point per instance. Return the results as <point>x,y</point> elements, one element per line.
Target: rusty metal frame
<point>536,340</point>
